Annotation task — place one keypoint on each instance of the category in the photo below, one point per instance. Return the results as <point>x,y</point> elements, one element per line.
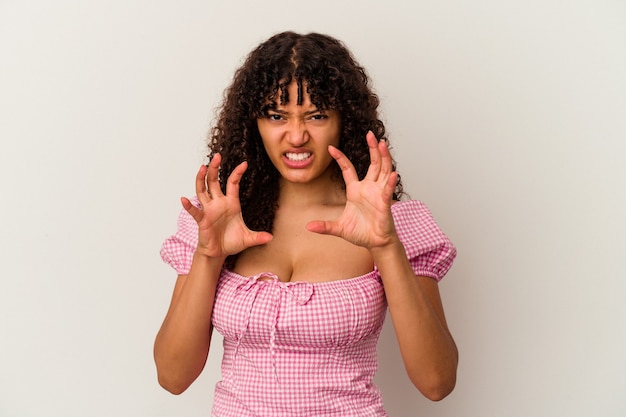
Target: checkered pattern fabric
<point>301,348</point>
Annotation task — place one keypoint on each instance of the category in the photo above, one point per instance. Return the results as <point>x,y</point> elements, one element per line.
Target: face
<point>296,138</point>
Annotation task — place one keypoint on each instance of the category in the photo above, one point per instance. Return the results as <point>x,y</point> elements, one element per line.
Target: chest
<point>295,254</point>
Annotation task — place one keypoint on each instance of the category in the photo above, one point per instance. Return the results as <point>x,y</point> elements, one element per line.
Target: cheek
<point>266,137</point>
<point>270,148</point>
<point>336,129</point>
<point>267,146</point>
<point>336,136</point>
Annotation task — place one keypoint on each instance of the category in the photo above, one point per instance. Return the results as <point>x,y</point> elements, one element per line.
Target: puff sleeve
<point>178,249</point>
<point>428,249</point>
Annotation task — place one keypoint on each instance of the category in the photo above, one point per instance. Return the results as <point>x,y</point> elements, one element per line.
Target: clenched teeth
<point>301,156</point>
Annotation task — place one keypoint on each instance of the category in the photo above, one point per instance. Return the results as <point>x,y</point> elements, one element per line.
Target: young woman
<point>296,244</point>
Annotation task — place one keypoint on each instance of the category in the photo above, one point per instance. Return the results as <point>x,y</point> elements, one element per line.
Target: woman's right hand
<point>221,229</point>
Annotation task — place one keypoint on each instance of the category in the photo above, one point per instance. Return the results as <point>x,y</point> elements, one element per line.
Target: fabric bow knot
<point>300,291</point>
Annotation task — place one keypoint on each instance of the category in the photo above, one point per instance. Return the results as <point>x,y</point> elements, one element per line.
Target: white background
<point>507,118</point>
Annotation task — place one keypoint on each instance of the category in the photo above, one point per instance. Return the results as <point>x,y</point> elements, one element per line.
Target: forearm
<point>182,344</point>
<point>427,348</point>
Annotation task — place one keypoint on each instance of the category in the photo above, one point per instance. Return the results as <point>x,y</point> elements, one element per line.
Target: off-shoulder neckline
<point>342,281</point>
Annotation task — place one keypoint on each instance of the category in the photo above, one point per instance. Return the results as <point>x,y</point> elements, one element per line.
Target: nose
<point>297,133</point>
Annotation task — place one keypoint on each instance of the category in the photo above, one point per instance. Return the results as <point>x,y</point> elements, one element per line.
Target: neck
<point>308,194</point>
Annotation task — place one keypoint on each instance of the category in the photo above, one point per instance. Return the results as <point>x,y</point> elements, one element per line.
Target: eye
<point>318,116</point>
<point>274,116</point>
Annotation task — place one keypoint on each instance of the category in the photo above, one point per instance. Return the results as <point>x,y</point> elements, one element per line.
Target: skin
<point>303,130</point>
<point>316,219</point>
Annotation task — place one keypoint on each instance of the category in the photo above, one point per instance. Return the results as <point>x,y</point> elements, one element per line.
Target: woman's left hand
<point>366,220</point>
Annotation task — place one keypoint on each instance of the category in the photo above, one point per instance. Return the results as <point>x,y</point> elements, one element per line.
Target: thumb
<point>323,227</point>
<point>193,211</point>
<point>260,238</point>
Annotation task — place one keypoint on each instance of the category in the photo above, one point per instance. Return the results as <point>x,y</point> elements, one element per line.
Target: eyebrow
<point>286,112</point>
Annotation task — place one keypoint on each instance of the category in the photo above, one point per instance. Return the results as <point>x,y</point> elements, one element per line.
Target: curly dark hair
<point>334,80</point>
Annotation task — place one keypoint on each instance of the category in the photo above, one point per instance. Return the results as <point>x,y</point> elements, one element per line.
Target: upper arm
<point>431,288</point>
<point>178,287</point>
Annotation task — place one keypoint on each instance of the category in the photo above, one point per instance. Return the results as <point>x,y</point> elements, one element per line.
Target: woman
<point>296,244</point>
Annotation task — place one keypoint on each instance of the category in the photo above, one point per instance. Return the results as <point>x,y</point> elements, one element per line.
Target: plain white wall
<point>507,118</point>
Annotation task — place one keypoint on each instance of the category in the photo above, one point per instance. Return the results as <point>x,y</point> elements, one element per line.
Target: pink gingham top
<point>306,349</point>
